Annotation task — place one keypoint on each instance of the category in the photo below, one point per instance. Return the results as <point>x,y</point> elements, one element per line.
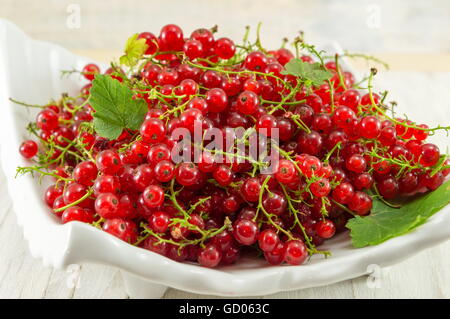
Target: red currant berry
<point>108,162</point>
<point>47,120</point>
<point>153,130</point>
<point>224,48</point>
<point>210,256</point>
<point>90,70</point>
<point>107,205</point>
<point>122,229</point>
<point>325,228</point>
<point>245,231</point>
<point>295,252</point>
<point>75,213</point>
<point>28,149</point>
<point>268,240</point>
<point>85,173</point>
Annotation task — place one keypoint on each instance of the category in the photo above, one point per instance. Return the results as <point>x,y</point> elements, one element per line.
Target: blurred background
<point>413,26</point>
<point>412,36</point>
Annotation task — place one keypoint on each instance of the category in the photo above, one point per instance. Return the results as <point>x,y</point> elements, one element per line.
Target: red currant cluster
<point>338,148</point>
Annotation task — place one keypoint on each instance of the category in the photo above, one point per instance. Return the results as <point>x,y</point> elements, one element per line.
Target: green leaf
<point>134,50</point>
<point>386,222</point>
<point>115,108</point>
<point>308,72</point>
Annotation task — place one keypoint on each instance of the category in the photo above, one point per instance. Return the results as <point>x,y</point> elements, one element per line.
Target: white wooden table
<point>423,96</point>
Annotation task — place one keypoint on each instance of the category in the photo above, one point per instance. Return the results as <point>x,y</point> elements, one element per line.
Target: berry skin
<point>356,163</point>
<point>153,196</point>
<point>76,213</point>
<point>107,205</point>
<point>295,252</point>
<point>159,221</point>
<point>47,120</point>
<point>310,143</point>
<point>370,127</point>
<point>286,172</point>
<point>224,48</point>
<point>28,149</point>
<point>187,174</point>
<point>74,192</point>
<point>250,189</point>
<point>209,256</point>
<point>158,153</point>
<point>205,37</point>
<point>256,61</point>
<point>217,100</point>
<point>268,240</point>
<point>223,175</point>
<point>429,155</point>
<point>274,203</point>
<point>51,193</point>
<point>320,188</point>
<point>325,228</point>
<point>171,38</point>
<point>193,49</point>
<point>275,257</point>
<point>388,187</point>
<point>164,171</point>
<point>85,173</point>
<point>247,102</point>
<point>122,229</point>
<point>245,231</point>
<point>108,162</point>
<point>153,130</point>
<point>90,70</point>
<point>361,203</point>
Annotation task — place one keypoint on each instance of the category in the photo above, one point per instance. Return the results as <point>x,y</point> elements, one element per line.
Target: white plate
<point>30,71</point>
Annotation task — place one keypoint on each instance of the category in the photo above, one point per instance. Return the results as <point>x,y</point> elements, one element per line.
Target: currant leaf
<point>115,108</point>
<point>386,222</point>
<point>134,50</point>
<point>313,73</point>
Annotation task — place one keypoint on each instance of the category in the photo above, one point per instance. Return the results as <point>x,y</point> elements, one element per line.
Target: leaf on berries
<point>313,73</point>
<point>386,222</point>
<point>134,50</point>
<point>115,108</point>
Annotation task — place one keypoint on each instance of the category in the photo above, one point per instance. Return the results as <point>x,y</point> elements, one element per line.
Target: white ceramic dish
<point>30,71</point>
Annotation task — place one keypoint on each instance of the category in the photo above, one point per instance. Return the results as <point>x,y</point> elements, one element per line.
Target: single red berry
<point>187,174</point>
<point>90,70</point>
<point>268,240</point>
<point>47,120</point>
<point>122,229</point>
<point>108,162</point>
<point>153,196</point>
<point>210,256</point>
<point>223,175</point>
<point>217,100</point>
<point>224,48</point>
<point>245,231</point>
<point>28,149</point>
<point>325,228</point>
<point>107,205</point>
<point>356,163</point>
<point>430,155</point>
<point>85,173</point>
<point>76,213</point>
<point>153,130</point>
<point>295,252</point>
<point>159,221</point>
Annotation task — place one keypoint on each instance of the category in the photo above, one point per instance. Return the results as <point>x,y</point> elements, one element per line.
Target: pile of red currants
<point>337,148</point>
